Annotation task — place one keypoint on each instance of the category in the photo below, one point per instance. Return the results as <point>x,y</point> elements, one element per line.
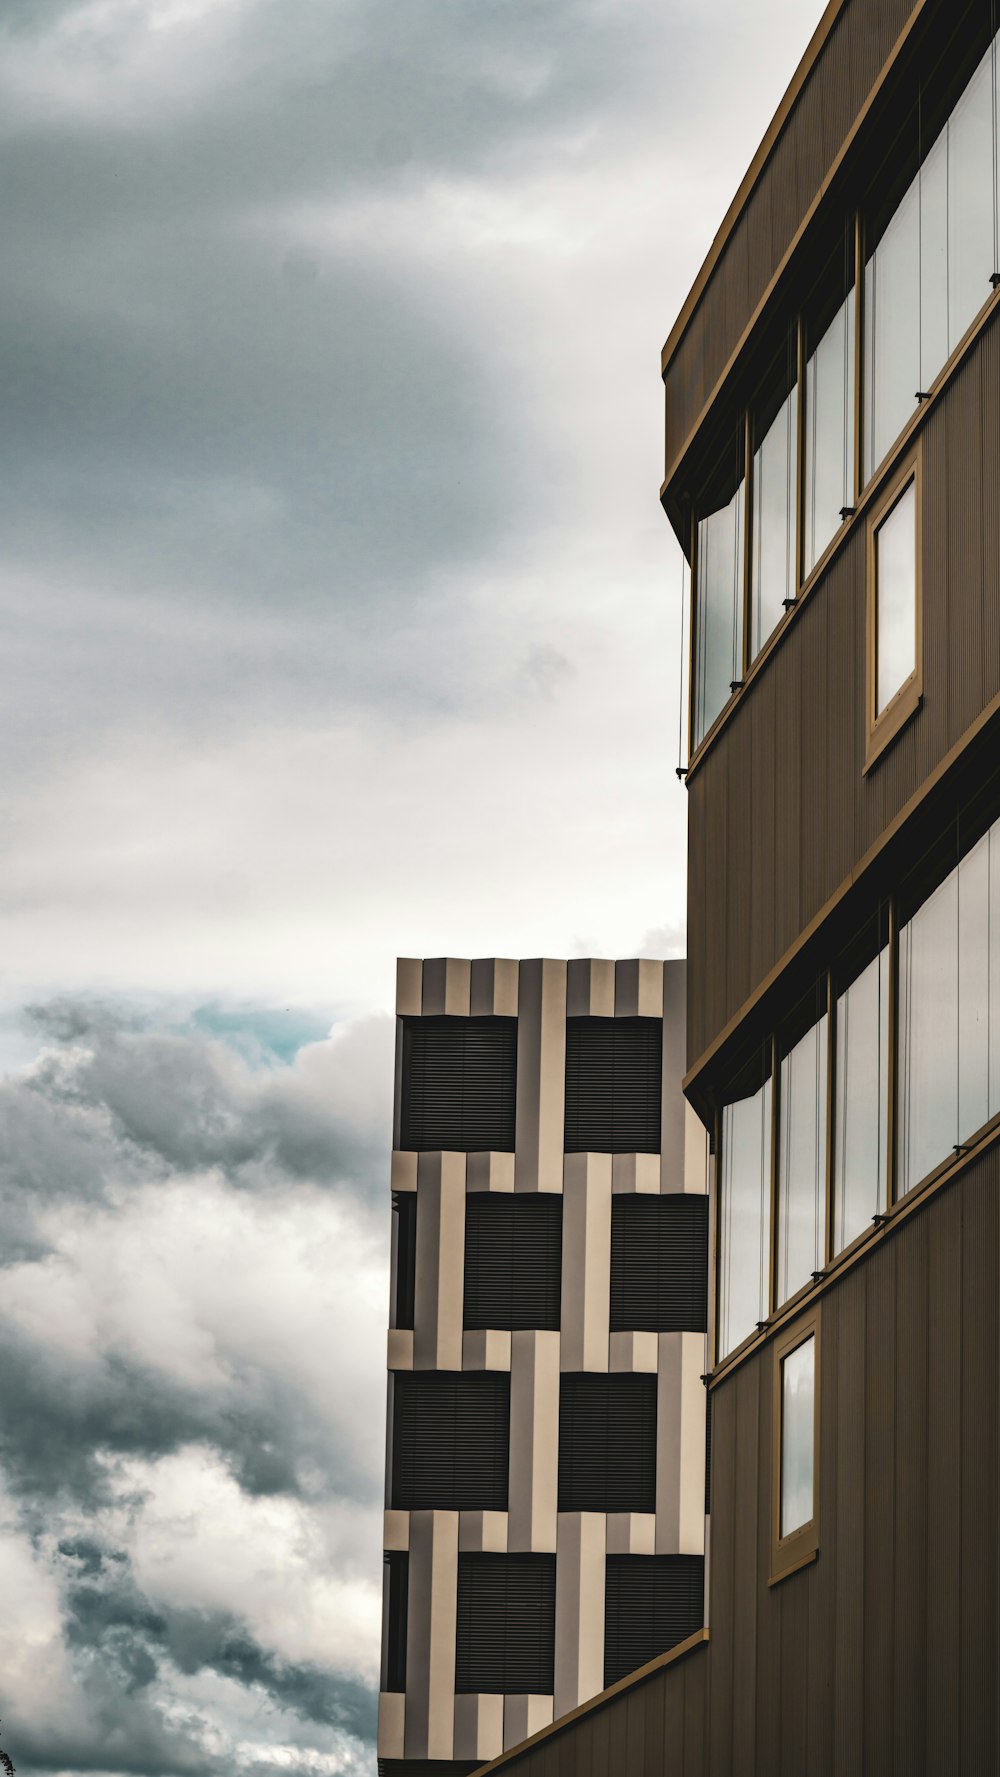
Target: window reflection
<point>773,484</point>
<point>896,598</point>
<point>829,428</point>
<point>861,1099</point>
<point>744,1218</point>
<point>798,1431</point>
<point>718,605</point>
<point>802,1162</point>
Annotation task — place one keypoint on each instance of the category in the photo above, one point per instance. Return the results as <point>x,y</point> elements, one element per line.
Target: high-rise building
<point>833,476</point>
<point>545,1496</point>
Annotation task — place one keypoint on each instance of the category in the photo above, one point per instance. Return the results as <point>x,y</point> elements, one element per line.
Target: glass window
<point>861,1101</point>
<point>896,598</point>
<point>829,416</point>
<point>773,492</point>
<point>802,1162</point>
<point>798,1436</point>
<point>718,650</point>
<point>892,330</point>
<point>744,1217</point>
<point>928,1035</point>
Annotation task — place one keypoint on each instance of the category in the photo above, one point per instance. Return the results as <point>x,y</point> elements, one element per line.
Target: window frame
<point>882,729</point>
<point>801,1546</point>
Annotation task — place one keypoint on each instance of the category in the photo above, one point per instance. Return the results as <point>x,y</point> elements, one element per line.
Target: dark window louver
<point>513,1260</point>
<point>397,1563</point>
<point>450,1440</point>
<point>607,1443</point>
<point>614,1085</point>
<point>659,1263</point>
<point>404,1210</point>
<point>506,1623</point>
<point>651,1603</point>
<point>459,1081</point>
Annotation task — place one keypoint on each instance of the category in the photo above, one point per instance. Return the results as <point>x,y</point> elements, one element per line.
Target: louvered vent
<point>404,1211</point>
<point>397,1565</point>
<point>458,1084</point>
<point>651,1602</point>
<point>506,1623</point>
<point>513,1259</point>
<point>450,1440</point>
<point>614,1082</point>
<point>607,1443</point>
<point>659,1263</point>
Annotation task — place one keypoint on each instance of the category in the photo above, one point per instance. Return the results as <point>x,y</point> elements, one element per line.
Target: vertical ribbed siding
<point>506,1624</point>
<point>651,1603</point>
<point>614,1085</point>
<point>607,1443</point>
<point>659,1263</point>
<point>450,1441</point>
<point>458,1084</point>
<point>513,1260</point>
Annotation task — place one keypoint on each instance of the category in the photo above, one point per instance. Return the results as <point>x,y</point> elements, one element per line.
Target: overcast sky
<point>340,620</point>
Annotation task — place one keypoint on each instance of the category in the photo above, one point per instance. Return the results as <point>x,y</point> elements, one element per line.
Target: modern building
<point>833,476</point>
<point>545,1499</point>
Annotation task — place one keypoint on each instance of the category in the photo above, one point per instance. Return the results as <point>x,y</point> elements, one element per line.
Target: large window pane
<point>773,484</point>
<point>892,330</point>
<point>798,1436</point>
<point>718,609</point>
<point>744,1217</point>
<point>829,428</point>
<point>861,1102</point>
<point>896,598</point>
<point>802,1161</point>
<point>974,923</point>
<point>928,1035</point>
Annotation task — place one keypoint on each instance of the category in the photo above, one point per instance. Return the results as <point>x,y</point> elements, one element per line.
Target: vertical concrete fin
<point>541,1075</point>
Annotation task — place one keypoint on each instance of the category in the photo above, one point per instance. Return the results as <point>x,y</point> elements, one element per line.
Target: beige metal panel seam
<point>489,1172</point>
<point>478,1726</point>
<point>409,986</point>
<point>580,1571</point>
<point>541,1075</point>
<point>482,1533</point>
<point>534,1441</point>
<point>395,1528</point>
<point>680,1445</point>
<point>590,988</point>
<point>403,1175</point>
<point>440,1262</point>
<point>634,1353</point>
<point>673,1124</point>
<point>391,1724</point>
<point>399,1349</point>
<point>639,988</point>
<point>486,1349</point>
<point>586,1262</point>
<point>447,986</point>
<point>523,1716</point>
<point>635,1172</point>
<point>430,1635</point>
<point>493,989</point>
<point>631,1533</point>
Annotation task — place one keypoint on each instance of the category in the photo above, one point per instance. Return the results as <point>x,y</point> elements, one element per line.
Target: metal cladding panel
<point>945,1343</point>
<point>607,1443</point>
<point>450,1441</point>
<point>791,757</point>
<point>745,1574</point>
<point>659,1263</point>
<point>458,1084</point>
<point>614,1085</point>
<point>979,1567</point>
<point>505,1638</point>
<point>513,1260</point>
<point>651,1602</point>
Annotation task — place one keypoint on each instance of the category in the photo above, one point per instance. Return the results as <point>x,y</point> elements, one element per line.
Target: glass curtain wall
<point>802,1162</point>
<point>773,484</point>
<point>931,249</point>
<point>719,556</point>
<point>744,1226</point>
<point>829,404</point>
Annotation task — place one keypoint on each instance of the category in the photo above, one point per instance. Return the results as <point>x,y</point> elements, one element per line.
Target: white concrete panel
<point>447,986</point>
<point>631,1533</point>
<point>534,1441</point>
<point>541,1075</point>
<point>482,1533</point>
<point>639,988</point>
<point>486,1349</point>
<point>395,1528</point>
<point>489,1172</point>
<point>399,1353</point>
<point>478,1727</point>
<point>590,988</point>
<point>635,1172</point>
<point>586,1262</point>
<point>580,1557</point>
<point>493,987</point>
<point>635,1352</point>
<point>409,986</point>
<point>680,1445</point>
<point>391,1723</point>
<point>430,1637</point>
<point>403,1174</point>
<point>524,1716</point>
<point>440,1262</point>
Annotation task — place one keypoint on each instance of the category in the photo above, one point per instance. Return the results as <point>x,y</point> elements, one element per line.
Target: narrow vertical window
<point>894,615</point>
<point>394,1619</point>
<point>794,1444</point>
<point>861,1089</point>
<point>744,1208</point>
<point>719,571</point>
<point>828,482</point>
<point>773,484</point>
<point>802,1161</point>
<point>404,1257</point>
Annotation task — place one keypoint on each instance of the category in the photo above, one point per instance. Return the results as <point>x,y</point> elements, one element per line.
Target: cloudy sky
<point>340,620</point>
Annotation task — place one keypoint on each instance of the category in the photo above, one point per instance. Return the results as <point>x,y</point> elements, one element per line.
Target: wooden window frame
<point>801,1546</point>
<point>883,728</point>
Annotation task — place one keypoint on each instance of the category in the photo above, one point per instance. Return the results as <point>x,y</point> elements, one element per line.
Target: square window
<point>614,1085</point>
<point>607,1443</point>
<point>659,1263</point>
<point>513,1259</point>
<point>505,1640</point>
<point>459,1081</point>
